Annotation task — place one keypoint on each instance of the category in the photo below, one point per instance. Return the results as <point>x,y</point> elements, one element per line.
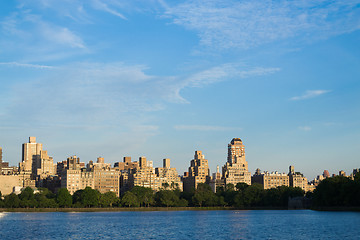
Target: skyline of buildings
<point>37,169</point>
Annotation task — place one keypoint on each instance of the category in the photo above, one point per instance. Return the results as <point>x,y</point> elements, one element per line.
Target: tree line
<point>239,196</point>
<point>331,192</point>
<point>337,191</point>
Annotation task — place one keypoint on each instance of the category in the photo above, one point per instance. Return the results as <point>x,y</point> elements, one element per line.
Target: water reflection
<point>181,225</point>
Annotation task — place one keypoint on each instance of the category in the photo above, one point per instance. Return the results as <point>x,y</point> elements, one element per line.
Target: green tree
<point>27,198</point>
<point>166,198</point>
<point>254,195</point>
<point>241,186</point>
<point>204,196</point>
<point>335,191</point>
<point>144,195</point>
<point>11,201</point>
<point>130,200</point>
<point>64,198</point>
<point>90,197</point>
<point>108,199</point>
<point>77,198</point>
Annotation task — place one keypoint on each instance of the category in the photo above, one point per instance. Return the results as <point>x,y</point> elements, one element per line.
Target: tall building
<point>297,179</point>
<point>168,176</point>
<point>198,172</point>
<point>106,179</point>
<point>125,168</point>
<point>235,169</point>
<point>30,155</point>
<point>216,180</point>
<point>75,178</point>
<point>144,176</point>
<point>270,180</point>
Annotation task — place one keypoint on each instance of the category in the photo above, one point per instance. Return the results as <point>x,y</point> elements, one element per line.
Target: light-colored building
<point>198,172</point>
<point>74,178</point>
<point>297,179</point>
<point>30,154</point>
<point>20,180</point>
<point>235,169</point>
<point>169,177</point>
<point>106,179</point>
<point>270,180</point>
<point>45,166</point>
<point>144,175</point>
<point>216,180</point>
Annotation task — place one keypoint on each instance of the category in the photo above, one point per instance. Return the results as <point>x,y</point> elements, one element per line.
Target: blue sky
<point>162,79</point>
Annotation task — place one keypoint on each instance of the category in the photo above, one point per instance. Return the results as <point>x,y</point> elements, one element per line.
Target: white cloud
<point>305,128</point>
<point>61,36</point>
<point>310,94</point>
<point>249,23</point>
<point>204,128</point>
<point>98,4</point>
<point>92,93</point>
<point>28,65</point>
<point>215,74</point>
<point>33,35</point>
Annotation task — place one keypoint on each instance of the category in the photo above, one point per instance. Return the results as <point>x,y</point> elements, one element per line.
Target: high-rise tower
<point>236,151</point>
<point>198,172</point>
<point>235,169</point>
<point>30,154</point>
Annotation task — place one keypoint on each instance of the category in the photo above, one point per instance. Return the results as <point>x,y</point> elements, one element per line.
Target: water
<point>267,224</point>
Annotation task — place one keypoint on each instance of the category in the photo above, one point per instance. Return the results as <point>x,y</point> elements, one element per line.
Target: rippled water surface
<point>267,224</point>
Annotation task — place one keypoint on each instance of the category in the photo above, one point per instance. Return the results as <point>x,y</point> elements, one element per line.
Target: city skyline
<point>32,151</point>
<point>163,79</point>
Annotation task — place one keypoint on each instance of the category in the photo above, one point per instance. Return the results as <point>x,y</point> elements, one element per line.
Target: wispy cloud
<point>98,4</point>
<point>28,65</point>
<point>310,94</point>
<point>89,93</point>
<point>36,37</point>
<point>224,72</point>
<point>204,128</point>
<point>249,23</point>
<point>61,35</point>
<point>305,128</point>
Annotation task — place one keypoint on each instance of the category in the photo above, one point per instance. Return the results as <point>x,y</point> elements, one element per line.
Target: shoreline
<point>151,209</point>
<point>134,209</point>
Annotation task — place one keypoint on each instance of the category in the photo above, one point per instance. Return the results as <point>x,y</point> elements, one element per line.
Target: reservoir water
<point>256,224</point>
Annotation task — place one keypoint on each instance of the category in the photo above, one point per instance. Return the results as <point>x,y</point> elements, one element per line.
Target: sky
<point>162,79</point>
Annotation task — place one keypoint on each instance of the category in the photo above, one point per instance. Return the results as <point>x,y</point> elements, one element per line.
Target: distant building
<point>198,172</point>
<point>106,179</point>
<point>30,155</point>
<point>74,178</point>
<point>326,174</point>
<point>235,169</point>
<point>169,178</point>
<point>297,179</point>
<point>216,180</point>
<point>125,168</point>
<point>270,180</point>
<point>144,175</point>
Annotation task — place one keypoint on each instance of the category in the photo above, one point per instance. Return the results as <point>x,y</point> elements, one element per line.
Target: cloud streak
<point>93,93</point>
<point>250,23</point>
<point>310,94</point>
<point>204,128</point>
<point>27,65</point>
